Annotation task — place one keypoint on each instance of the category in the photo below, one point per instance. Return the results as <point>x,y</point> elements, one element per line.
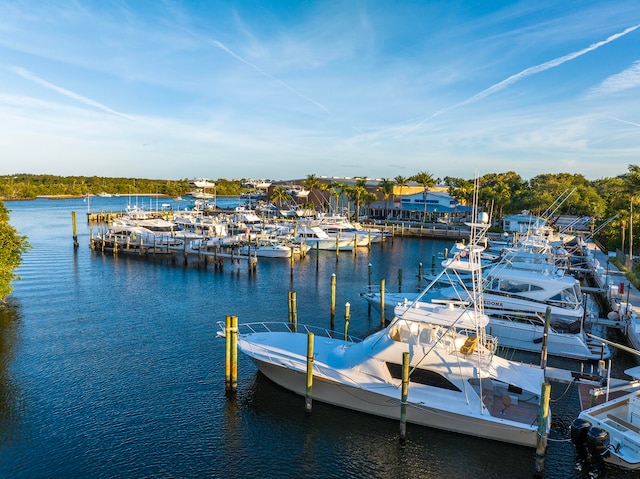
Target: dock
<point>214,254</point>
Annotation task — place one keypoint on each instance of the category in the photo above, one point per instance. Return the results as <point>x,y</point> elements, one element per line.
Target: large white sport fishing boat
<point>456,381</point>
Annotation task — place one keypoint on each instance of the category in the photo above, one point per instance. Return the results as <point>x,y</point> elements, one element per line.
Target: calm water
<point>110,367</point>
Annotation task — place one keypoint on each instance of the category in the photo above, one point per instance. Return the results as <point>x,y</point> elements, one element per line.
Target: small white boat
<point>318,239</point>
<point>297,191</point>
<point>456,382</point>
<point>202,183</point>
<point>339,226</point>
<point>267,249</point>
<point>610,432</point>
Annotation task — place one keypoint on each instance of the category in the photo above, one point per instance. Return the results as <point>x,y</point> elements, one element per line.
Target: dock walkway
<point>622,295</point>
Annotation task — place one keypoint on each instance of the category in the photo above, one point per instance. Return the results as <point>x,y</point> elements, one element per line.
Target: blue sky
<point>283,89</point>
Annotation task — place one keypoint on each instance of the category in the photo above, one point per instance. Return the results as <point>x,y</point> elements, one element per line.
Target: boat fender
<point>579,429</point>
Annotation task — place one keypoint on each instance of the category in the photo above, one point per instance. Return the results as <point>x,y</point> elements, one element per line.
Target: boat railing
<point>283,326</point>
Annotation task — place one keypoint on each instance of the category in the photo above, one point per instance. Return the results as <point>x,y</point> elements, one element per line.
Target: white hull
<point>525,336</point>
<point>427,405</point>
<point>621,419</point>
<point>267,251</point>
<point>329,244</point>
<point>528,337</point>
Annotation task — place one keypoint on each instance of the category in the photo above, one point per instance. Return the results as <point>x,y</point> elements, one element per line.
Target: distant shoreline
<point>68,197</point>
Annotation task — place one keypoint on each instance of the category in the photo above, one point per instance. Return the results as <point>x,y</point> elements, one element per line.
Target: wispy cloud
<point>629,78</point>
<point>526,73</point>
<point>63,91</point>
<point>625,121</point>
<point>271,77</point>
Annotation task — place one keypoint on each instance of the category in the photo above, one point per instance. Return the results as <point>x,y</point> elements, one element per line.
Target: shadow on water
<point>9,386</point>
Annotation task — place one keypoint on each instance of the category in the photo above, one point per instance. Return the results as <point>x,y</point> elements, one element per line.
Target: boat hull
<point>386,403</point>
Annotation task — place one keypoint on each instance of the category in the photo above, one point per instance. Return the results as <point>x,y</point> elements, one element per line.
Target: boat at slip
<point>338,226</point>
<point>456,381</point>
<point>516,301</point>
<point>316,238</point>
<point>609,432</point>
<point>267,249</point>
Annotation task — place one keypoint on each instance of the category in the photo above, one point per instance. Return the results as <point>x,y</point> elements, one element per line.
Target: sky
<point>283,89</point>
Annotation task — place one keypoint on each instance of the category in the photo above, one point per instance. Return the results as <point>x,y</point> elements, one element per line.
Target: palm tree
<point>337,188</point>
<point>356,193</point>
<point>386,187</point>
<point>279,195</point>
<point>633,184</point>
<point>401,181</point>
<point>311,183</point>
<point>426,180</point>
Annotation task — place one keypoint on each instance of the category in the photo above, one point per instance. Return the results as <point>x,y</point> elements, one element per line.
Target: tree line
<point>609,202</point>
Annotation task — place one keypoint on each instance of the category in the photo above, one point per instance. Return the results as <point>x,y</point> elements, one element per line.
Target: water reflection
<point>10,403</point>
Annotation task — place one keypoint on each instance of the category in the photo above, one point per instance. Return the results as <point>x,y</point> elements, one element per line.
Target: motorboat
<point>339,226</point>
<point>516,301</point>
<point>151,232</point>
<point>202,183</point>
<point>267,249</point>
<point>610,432</point>
<point>315,237</point>
<point>456,382</point>
<point>297,191</point>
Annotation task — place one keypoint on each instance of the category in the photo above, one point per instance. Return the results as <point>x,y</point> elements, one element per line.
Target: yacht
<point>454,380</point>
<point>267,249</point>
<point>316,238</point>
<point>516,301</point>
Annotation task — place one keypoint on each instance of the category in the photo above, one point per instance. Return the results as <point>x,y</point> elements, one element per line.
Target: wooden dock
<point>173,251</point>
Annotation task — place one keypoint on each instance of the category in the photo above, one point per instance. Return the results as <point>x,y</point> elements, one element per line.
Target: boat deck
<point>507,406</point>
<point>588,400</point>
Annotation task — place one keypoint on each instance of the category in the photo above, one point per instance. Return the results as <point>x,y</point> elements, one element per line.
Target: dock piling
<point>75,230</point>
<point>231,345</point>
<point>405,394</point>
<point>333,301</point>
<point>543,419</point>
<point>347,317</point>
<point>382,303</point>
<point>309,388</point>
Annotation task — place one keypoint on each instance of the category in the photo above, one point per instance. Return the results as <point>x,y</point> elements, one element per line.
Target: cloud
<point>82,99</point>
<point>526,73</point>
<point>625,121</point>
<point>629,78</point>
<point>262,72</point>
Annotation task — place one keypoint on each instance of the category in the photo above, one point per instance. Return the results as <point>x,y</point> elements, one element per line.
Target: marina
<point>125,376</point>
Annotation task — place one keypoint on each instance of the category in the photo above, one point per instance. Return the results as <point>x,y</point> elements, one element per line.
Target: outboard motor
<point>579,429</point>
<point>598,445</point>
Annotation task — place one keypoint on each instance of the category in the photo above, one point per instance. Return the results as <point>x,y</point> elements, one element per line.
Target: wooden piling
<point>333,301</point>
<point>400,280</point>
<point>369,288</point>
<point>419,272</point>
<point>75,230</point>
<point>234,353</point>
<point>405,394</point>
<point>543,419</point>
<point>231,356</point>
<point>309,389</point>
<point>293,310</point>
<point>545,336</point>
<point>382,303</point>
<point>347,316</point>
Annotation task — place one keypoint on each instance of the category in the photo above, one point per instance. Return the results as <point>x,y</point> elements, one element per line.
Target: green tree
<point>12,246</point>
<point>426,180</point>
<point>386,187</point>
<point>401,181</point>
<point>279,195</point>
